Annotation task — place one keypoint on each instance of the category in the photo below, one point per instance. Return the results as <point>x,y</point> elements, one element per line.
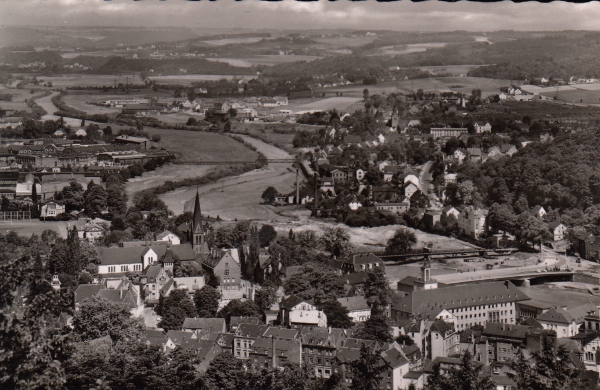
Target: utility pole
<point>297,189</point>
<point>316,196</point>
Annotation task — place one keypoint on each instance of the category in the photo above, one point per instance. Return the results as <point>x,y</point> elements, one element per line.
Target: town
<point>292,208</point>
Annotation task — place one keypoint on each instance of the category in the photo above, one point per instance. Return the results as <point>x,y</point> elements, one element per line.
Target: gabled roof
<point>155,337</point>
<point>87,291</point>
<point>554,225</point>
<point>497,329</point>
<point>251,330</point>
<point>394,358</point>
<point>354,303</point>
<point>266,344</point>
<point>207,324</point>
<point>290,302</point>
<point>163,235</point>
<point>442,327</point>
<point>557,315</point>
<point>356,278</point>
<point>314,335</point>
<point>236,321</point>
<point>282,333</point>
<point>580,312</point>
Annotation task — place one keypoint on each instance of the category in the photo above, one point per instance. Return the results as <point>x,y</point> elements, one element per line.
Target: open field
<point>560,296</point>
<point>576,96</point>
<point>232,41</point>
<point>339,103</point>
<point>79,102</point>
<point>408,48</point>
<point>344,41</point>
<point>190,78</point>
<point>266,131</point>
<point>202,146</point>
<point>239,197</point>
<point>268,60</point>
<point>91,80</point>
<point>27,228</point>
<point>452,69</point>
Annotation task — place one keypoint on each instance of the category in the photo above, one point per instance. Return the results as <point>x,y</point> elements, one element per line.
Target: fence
<point>15,215</point>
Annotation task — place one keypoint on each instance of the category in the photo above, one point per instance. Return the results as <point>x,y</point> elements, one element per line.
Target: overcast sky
<point>289,14</point>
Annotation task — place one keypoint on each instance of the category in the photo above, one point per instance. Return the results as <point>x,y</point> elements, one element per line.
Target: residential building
<point>590,354</point>
<point>410,189</point>
<point>120,260</point>
<point>362,262</point>
<point>358,308</point>
<point>560,321</point>
<point>397,208</point>
<point>482,127</point>
<point>87,229</point>
<point>270,352</point>
<point>169,237</point>
<point>120,290</point>
<point>431,217</point>
<point>474,154</point>
<point>471,221</point>
<point>294,312</point>
<point>244,337</point>
<point>450,210</point>
<point>52,209</point>
<point>224,264</point>
<point>213,325</point>
<point>538,211</point>
<point>447,132</point>
<point>558,230</point>
<point>389,172</point>
<point>319,348</point>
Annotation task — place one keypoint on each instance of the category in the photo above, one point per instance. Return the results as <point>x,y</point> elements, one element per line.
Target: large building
<point>471,221</point>
<point>447,132</point>
<point>473,304</point>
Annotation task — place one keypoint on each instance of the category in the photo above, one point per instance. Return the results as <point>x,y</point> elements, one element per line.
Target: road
<point>425,177</point>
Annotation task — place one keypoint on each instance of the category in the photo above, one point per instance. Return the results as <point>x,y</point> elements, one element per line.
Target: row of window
<point>124,268</point>
<point>325,352</point>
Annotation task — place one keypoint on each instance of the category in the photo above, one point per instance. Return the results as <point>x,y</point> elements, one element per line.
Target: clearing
<point>190,78</point>
<point>27,228</point>
<point>70,80</point>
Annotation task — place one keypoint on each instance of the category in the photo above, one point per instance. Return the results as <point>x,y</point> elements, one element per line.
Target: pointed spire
<point>197,221</point>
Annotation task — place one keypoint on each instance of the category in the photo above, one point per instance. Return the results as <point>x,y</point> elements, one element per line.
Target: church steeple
<point>197,235</point>
<point>197,221</point>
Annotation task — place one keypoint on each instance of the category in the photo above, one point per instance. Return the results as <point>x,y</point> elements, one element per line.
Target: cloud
<point>291,14</point>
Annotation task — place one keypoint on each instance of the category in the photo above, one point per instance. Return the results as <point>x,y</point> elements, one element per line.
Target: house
<point>494,152</point>
<point>389,172</point>
<point>447,132</point>
<point>59,133</point>
<point>481,127</point>
<point>195,325</point>
<point>361,262</point>
<point>354,205</point>
<point>412,177</point>
<point>121,290</point>
<point>244,337</point>
<point>558,230</point>
<point>396,366</point>
<point>135,259</point>
<point>81,133</point>
<point>460,155</point>
<point>508,150</point>
<point>294,312</point>
<point>360,174</point>
<point>340,175</point>
<point>224,264</point>
<point>358,308</point>
<point>410,189</point>
<point>590,353</point>
<point>396,208</point>
<point>473,304</point>
<point>450,210</point>
<point>88,229</point>
<point>191,284</point>
<point>474,154</point>
<point>431,217</point>
<point>538,211</point>
<point>450,178</point>
<point>471,221</point>
<point>169,237</point>
<point>52,209</point>
<point>319,348</point>
<point>560,321</point>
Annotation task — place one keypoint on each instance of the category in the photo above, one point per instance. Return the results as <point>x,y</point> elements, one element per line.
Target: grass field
<point>203,146</point>
<point>27,228</point>
<point>91,80</point>
<point>576,96</point>
<point>232,41</point>
<point>190,78</point>
<point>344,41</point>
<point>339,103</point>
<point>265,131</point>
<point>79,102</point>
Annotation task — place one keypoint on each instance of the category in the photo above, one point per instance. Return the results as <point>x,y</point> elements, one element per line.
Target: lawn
<point>202,146</point>
<point>576,96</point>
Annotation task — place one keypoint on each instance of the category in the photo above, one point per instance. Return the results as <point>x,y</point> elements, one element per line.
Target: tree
<point>467,376</point>
<point>337,315</point>
<point>206,301</point>
<point>401,242</point>
<point>500,217</point>
<point>239,308</point>
<point>94,199</point>
<point>365,94</point>
<point>269,195</point>
<point>175,309</point>
<point>34,199</point>
<point>336,241</point>
<point>225,373</point>
<point>315,283</point>
<point>266,234</point>
<point>265,297</point>
<point>98,317</point>
<point>377,285</point>
<point>72,197</point>
<point>377,327</point>
<point>367,370</point>
<point>530,229</point>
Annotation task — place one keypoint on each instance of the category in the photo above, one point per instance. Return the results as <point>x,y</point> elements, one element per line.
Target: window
<point>226,272</point>
<point>112,269</point>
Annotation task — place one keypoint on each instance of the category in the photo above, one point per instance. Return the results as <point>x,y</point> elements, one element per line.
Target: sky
<point>291,14</point>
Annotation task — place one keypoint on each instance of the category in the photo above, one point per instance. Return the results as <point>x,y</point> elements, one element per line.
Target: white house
<point>360,174</point>
<point>538,211</point>
<point>122,260</point>
<point>52,209</point>
<point>169,237</point>
<point>450,210</point>
<point>410,189</point>
<point>481,127</point>
<point>354,205</point>
<point>460,155</point>
<point>81,132</point>
<point>293,311</point>
<point>471,221</point>
<point>357,306</point>
<point>559,320</point>
<point>558,230</point>
<point>412,177</point>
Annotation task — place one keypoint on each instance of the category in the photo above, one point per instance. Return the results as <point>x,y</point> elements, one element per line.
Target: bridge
<point>519,276</point>
<point>238,162</point>
<point>420,254</point>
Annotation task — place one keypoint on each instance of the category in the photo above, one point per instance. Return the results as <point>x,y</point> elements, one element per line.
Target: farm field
<point>344,41</point>
<point>233,41</point>
<point>266,131</point>
<point>190,78</point>
<point>27,228</point>
<point>339,103</point>
<point>408,48</point>
<point>202,146</point>
<point>453,69</point>
<point>268,60</point>
<point>576,96</point>
<point>91,80</point>
<point>80,102</point>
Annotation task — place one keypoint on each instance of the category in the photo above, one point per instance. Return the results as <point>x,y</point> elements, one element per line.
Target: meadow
<point>268,60</point>
<point>188,79</point>
<point>195,146</point>
<point>83,80</point>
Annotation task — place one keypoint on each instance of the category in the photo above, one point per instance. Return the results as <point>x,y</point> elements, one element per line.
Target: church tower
<point>394,117</point>
<point>197,234</point>
<point>425,282</point>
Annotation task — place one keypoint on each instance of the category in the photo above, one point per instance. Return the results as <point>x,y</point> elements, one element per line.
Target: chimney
<point>274,352</point>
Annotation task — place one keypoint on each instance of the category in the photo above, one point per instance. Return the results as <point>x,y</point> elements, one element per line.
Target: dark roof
<point>266,343</point>
<point>251,330</point>
<point>558,315</point>
<point>498,329</point>
<point>129,255</point>
<point>354,303</point>
<point>236,321</point>
<point>532,323</point>
<point>454,297</point>
<point>314,335</point>
<point>554,225</point>
<point>363,258</point>
<point>155,337</point>
<point>442,327</point>
<point>290,302</point>
<point>207,324</point>
<point>87,291</point>
<point>197,220</point>
<point>282,333</point>
<point>394,358</point>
